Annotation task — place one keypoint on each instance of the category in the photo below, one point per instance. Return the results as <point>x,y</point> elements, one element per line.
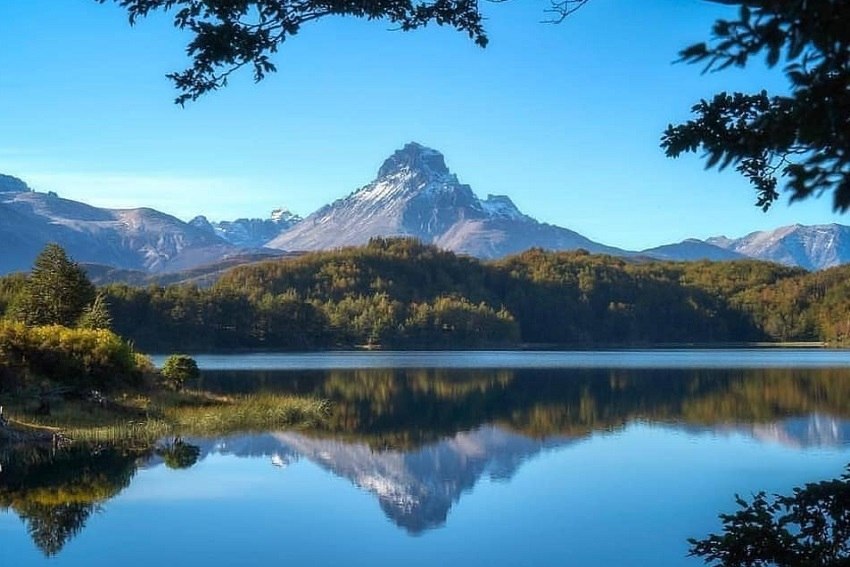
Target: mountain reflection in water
<point>419,439</point>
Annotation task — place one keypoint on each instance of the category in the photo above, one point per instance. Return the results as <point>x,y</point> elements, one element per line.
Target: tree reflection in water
<point>408,408</point>
<point>406,416</point>
<point>55,491</point>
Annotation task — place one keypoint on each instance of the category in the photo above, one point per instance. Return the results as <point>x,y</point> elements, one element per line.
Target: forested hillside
<point>399,293</point>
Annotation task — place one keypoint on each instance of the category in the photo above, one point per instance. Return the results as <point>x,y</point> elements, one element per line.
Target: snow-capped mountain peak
<point>501,206</point>
<point>249,233</point>
<point>811,247</point>
<point>415,158</point>
<point>415,194</point>
<point>284,215</point>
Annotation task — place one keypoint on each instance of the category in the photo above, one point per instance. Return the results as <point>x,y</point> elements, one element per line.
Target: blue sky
<point>565,119</point>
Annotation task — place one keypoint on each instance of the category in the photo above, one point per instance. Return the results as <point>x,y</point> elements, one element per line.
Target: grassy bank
<point>145,417</point>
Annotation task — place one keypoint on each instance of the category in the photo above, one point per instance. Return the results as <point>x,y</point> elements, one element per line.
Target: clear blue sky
<point>565,119</point>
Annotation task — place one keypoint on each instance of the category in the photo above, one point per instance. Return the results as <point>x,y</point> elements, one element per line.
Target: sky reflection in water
<point>535,467</point>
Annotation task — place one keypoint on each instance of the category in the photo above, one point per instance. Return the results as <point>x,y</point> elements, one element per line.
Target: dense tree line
<point>400,293</point>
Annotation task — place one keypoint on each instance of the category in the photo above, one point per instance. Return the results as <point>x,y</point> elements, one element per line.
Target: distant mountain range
<point>414,195</point>
<point>136,239</point>
<point>249,233</point>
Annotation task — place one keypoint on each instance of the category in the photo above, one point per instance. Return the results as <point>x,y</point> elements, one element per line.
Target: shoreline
<point>526,347</point>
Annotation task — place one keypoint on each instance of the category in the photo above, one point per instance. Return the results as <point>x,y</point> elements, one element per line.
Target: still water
<point>537,459</point>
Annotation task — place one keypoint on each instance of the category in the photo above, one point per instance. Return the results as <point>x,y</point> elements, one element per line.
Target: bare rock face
<point>814,247</point>
<point>416,195</point>
<point>249,233</point>
<point>136,239</point>
<point>9,184</point>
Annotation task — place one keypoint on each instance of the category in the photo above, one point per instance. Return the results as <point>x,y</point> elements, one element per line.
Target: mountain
<point>134,239</point>
<point>811,247</point>
<point>416,488</point>
<point>249,233</point>
<point>9,184</point>
<point>416,195</point>
<point>690,250</point>
<point>203,275</point>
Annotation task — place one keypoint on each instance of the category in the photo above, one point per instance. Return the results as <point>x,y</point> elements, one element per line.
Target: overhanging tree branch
<point>802,137</point>
<point>232,34</point>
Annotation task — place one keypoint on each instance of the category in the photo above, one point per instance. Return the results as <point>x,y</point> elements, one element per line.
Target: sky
<point>565,119</point>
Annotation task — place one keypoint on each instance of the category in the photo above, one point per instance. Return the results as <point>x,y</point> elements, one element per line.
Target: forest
<point>400,293</point>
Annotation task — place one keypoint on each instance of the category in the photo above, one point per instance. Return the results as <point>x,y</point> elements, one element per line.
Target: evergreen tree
<point>96,315</point>
<point>57,290</point>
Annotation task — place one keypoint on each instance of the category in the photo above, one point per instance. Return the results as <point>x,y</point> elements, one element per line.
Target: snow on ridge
<point>501,206</point>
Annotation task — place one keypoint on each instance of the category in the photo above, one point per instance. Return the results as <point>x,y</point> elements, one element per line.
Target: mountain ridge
<point>414,194</point>
<point>141,238</point>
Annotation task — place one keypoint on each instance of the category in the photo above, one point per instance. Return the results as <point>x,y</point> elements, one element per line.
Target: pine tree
<point>57,290</point>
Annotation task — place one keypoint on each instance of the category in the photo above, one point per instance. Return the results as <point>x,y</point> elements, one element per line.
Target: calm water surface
<point>651,358</point>
<point>496,459</point>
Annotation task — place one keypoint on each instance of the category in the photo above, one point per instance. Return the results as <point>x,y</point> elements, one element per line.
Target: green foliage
<point>455,322</point>
<point>364,320</point>
<point>255,412</point>
<point>76,358</point>
<point>11,288</point>
<point>810,527</point>
<point>56,491</point>
<point>400,293</point>
<point>803,136</point>
<point>230,34</point>
<point>96,315</point>
<point>192,319</point>
<point>56,292</point>
<point>179,369</point>
<point>178,454</point>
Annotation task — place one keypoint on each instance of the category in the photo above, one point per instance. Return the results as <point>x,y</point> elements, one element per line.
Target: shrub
<point>76,358</point>
<point>178,369</point>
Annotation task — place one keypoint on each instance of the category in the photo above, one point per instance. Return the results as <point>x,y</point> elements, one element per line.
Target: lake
<point>598,458</point>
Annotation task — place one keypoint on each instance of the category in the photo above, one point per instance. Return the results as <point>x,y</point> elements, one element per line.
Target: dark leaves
<point>810,527</point>
<point>803,137</point>
<point>231,34</point>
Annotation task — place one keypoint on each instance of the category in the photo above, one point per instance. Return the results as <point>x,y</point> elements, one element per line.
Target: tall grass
<point>247,413</point>
<point>146,419</point>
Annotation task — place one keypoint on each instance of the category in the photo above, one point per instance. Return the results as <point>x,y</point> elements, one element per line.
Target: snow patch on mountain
<point>416,195</point>
<point>811,247</point>
<point>249,233</point>
<point>135,239</point>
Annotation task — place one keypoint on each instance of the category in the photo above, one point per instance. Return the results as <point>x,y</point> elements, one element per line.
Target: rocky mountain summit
<point>249,233</point>
<point>416,195</point>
